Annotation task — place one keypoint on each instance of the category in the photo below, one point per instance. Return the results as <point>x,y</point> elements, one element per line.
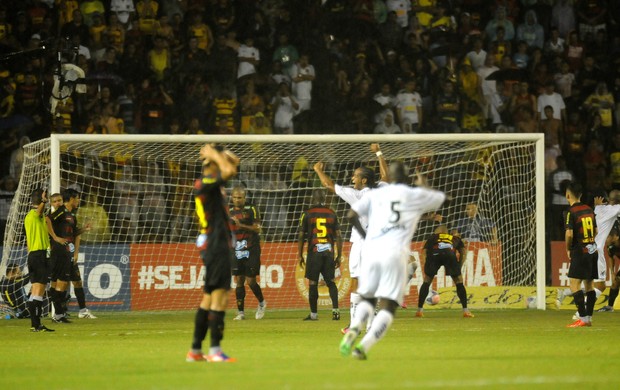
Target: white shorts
<point>355,258</point>
<point>602,268</point>
<point>383,274</point>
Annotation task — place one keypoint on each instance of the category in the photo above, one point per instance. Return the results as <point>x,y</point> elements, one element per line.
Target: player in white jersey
<point>363,180</point>
<point>606,215</point>
<point>393,213</point>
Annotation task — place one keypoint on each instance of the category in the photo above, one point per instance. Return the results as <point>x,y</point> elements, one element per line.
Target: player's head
<point>36,197</point>
<point>71,197</point>
<point>363,177</point>
<point>574,191</point>
<point>614,197</point>
<point>471,209</point>
<point>238,196</point>
<point>56,200</point>
<point>441,229</point>
<point>398,172</point>
<point>318,196</point>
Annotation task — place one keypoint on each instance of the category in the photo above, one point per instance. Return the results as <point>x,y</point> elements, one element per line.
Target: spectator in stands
<point>531,32</point>
<point>8,185</point>
<point>93,213</point>
<point>127,189</point>
<point>302,77</point>
<point>500,20</point>
<point>123,9</point>
<point>16,164</point>
<point>285,107</point>
<point>387,126</point>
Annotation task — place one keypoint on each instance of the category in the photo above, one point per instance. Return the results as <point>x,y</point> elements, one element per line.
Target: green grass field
<point>496,350</point>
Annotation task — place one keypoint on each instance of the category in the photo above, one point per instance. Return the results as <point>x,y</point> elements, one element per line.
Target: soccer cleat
<point>86,314</point>
<point>578,324</point>
<point>220,357</point>
<point>358,353</point>
<point>468,314</point>
<point>335,315</point>
<point>41,328</point>
<point>309,318</point>
<point>344,330</point>
<point>605,308</point>
<point>347,342</point>
<point>239,317</point>
<point>260,311</point>
<point>61,320</point>
<point>419,314</point>
<point>195,357</point>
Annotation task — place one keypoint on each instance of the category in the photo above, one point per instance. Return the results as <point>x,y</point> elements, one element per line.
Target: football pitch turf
<point>510,349</point>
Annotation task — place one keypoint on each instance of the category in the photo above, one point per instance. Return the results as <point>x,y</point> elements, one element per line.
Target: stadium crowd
<point>311,66</point>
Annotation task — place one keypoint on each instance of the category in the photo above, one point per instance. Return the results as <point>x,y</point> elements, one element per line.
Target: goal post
<point>136,192</point>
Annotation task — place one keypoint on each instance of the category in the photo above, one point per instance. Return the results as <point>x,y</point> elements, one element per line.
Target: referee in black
<point>38,242</point>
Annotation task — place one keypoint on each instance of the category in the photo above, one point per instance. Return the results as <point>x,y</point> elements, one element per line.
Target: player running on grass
<point>393,213</point>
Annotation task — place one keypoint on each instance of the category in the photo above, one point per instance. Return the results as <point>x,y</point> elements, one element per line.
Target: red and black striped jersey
<point>246,215</point>
<point>212,210</point>
<point>443,241</point>
<point>320,226</point>
<point>64,223</point>
<point>581,220</point>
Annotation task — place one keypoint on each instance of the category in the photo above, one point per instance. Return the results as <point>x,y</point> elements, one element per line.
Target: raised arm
<point>226,160</point>
<point>325,180</point>
<point>383,166</point>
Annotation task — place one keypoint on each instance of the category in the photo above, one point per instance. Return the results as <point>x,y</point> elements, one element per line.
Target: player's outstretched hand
<point>598,201</point>
<point>319,166</point>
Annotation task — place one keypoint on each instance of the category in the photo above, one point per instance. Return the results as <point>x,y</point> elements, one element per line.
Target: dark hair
<point>318,196</point>
<point>369,175</point>
<point>69,193</point>
<point>398,173</point>
<point>37,196</point>
<point>575,188</point>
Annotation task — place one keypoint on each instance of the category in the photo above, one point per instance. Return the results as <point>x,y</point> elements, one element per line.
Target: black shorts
<point>445,258</point>
<point>38,267</point>
<point>247,266</point>
<point>583,266</point>
<point>62,266</point>
<point>218,267</point>
<point>75,273</point>
<point>320,263</point>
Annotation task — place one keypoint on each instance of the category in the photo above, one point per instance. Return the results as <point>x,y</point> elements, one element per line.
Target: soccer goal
<point>136,193</point>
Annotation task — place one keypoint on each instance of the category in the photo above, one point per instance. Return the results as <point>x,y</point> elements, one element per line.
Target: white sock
<point>598,292</point>
<point>382,322</point>
<point>355,300</point>
<point>371,317</point>
<point>362,313</point>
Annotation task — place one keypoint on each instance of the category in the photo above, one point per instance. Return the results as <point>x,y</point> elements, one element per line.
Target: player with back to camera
<point>393,213</point>
<point>216,251</point>
<point>319,226</point>
<point>246,228</point>
<point>38,244</point>
<point>606,216</point>
<point>363,180</point>
<point>580,230</point>
<point>440,250</point>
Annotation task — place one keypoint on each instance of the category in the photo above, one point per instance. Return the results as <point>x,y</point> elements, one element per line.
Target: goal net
<point>136,193</point>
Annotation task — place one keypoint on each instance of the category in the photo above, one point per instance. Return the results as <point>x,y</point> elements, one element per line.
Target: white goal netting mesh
<point>137,196</point>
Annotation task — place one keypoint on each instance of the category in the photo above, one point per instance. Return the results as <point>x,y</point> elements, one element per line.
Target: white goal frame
<point>537,138</point>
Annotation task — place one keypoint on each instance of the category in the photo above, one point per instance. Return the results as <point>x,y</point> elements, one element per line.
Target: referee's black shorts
<point>445,258</point>
<point>218,264</point>
<point>38,267</point>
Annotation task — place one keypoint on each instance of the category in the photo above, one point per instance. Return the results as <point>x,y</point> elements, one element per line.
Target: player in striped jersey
<point>246,228</point>
<point>319,226</point>
<point>581,249</point>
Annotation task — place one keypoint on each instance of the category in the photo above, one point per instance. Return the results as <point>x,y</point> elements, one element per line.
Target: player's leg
<point>240,295</point>
<point>219,284</point>
<point>613,294</point>
<point>329,272</point>
<point>354,266</point>
<point>80,296</point>
<point>379,327</point>
<point>363,312</point>
<point>313,270</point>
<point>38,278</point>
<point>453,268</point>
<point>63,268</point>
<point>431,266</point>
<point>201,326</point>
<point>252,271</point>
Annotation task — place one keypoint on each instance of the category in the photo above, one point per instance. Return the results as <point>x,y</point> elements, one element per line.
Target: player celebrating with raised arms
<point>440,250</point>
<point>363,180</point>
<point>246,227</point>
<point>393,213</point>
<point>216,251</point>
